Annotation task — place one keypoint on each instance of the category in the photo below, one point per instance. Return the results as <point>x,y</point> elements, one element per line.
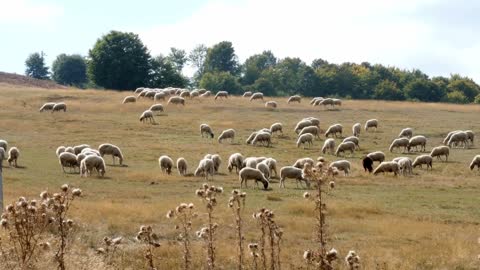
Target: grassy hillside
<point>428,221</point>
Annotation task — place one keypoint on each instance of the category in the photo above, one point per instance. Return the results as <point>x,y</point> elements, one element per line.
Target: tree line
<point>121,61</point>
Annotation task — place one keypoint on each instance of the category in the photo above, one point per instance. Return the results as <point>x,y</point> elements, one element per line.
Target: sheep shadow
<point>16,167</point>
<point>117,165</point>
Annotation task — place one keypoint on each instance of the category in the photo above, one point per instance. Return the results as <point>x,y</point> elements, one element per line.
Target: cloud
<point>27,12</point>
<point>408,34</point>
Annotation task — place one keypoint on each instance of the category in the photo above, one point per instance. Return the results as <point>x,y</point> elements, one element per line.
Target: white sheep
<point>337,102</point>
<point>185,94</point>
<point>371,123</point>
<point>147,115</point>
<point>206,94</point>
<point>254,174</point>
<point>423,159</point>
<point>13,155</point>
<point>235,160</point>
<point>276,127</point>
<point>475,162</point>
<point>470,135</point>
<point>176,101</point>
<point>341,165</point>
<point>416,141</point>
<point>328,145</point>
<point>356,128</point>
<point>315,121</point>
<point>68,160</point>
<point>47,106</point>
<point>156,108</point>
<point>256,96</point>
<point>405,165</point>
<point>59,107</point>
<point>458,137</point>
<point>327,101</point>
<point>221,94</point>
<point>377,156</point>
<point>206,167</point>
<point>78,148</point>
<point>227,134</point>
<point>263,167</point>
<point>247,94</point>
<point>353,139</point>
<point>305,139</point>
<point>292,173</point>
<point>303,123</point>
<point>440,151</point>
<point>166,164</point>
<point>194,93</point>
<point>314,130</point>
<point>400,142</point>
<point>333,130</point>
<point>271,104</point>
<point>206,130</point>
<point>217,161</point>
<point>345,146</point>
<point>202,91</point>
<point>160,96</point>
<point>4,144</point>
<point>89,163</point>
<point>445,140</point>
<point>387,166</point>
<point>88,151</point>
<point>272,165</point>
<point>295,98</point>
<point>250,162</point>
<point>59,150</point>
<point>69,149</point>
<point>138,90</point>
<point>300,163</point>
<point>113,150</point>
<point>251,137</point>
<point>262,137</point>
<point>406,132</point>
<point>182,166</point>
<point>315,100</point>
<point>129,99</point>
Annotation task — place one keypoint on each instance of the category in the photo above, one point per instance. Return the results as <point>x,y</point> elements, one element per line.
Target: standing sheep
<point>92,162</point>
<point>328,145</point>
<point>416,141</point>
<point>405,165</point>
<point>276,127</point>
<point>344,146</point>
<point>333,130</point>
<point>256,96</point>
<point>47,107</point>
<point>166,164</point>
<point>160,96</point>
<point>206,129</point>
<point>341,165</point>
<point>475,162</point>
<point>460,137</point>
<point>113,150</point>
<point>227,134</point>
<point>314,130</point>
<point>235,160</point>
<point>300,163</point>
<point>400,142</point>
<point>272,165</point>
<point>271,104</point>
<point>295,98</point>
<point>68,160</point>
<point>176,101</point>
<point>470,135</point>
<point>304,139</point>
<point>60,150</point>
<point>250,162</point>
<point>353,139</point>
<point>206,167</point>
<point>445,140</point>
<point>423,159</point>
<point>13,155</point>
<point>59,107</point>
<point>367,164</point>
<point>263,167</point>
<point>156,108</point>
<point>182,166</point>
<point>78,148</point>
<point>440,151</point>
<point>251,173</point>
<point>372,123</point>
<point>387,166</point>
<point>147,115</point>
<point>377,156</point>
<point>129,99</point>
<point>263,137</point>
<point>251,137</point>
<point>356,129</point>
<point>247,94</point>
<point>221,94</point>
<point>303,123</point>
<point>293,173</point>
<point>406,132</point>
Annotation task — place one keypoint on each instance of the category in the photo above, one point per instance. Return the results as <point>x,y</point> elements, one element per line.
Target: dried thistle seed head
<point>230,204</point>
<point>332,254</point>
<point>170,214</point>
<point>23,204</point>
<point>155,244</point>
<point>32,209</point>
<point>44,195</point>
<point>107,241</point>
<point>45,246</point>
<point>200,193</point>
<point>306,195</point>
<point>332,184</point>
<point>64,187</point>
<point>178,209</point>
<point>307,255</point>
<point>33,202</point>
<point>219,190</point>
<point>143,228</point>
<point>243,195</point>
<point>191,205</point>
<point>4,222</point>
<point>22,199</point>
<point>77,192</point>
<point>177,227</point>
<point>51,219</point>
<point>3,215</point>
<point>235,192</point>
<point>70,222</point>
<point>253,246</point>
<point>254,254</point>
<point>205,186</point>
<point>57,196</point>
<point>183,205</point>
<point>10,208</point>
<point>100,251</point>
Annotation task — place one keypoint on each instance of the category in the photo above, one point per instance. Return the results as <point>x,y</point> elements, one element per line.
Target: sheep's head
<point>265,185</point>
<point>211,135</point>
<point>102,172</point>
<point>230,168</point>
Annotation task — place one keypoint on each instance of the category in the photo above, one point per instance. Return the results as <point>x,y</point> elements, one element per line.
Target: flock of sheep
<point>262,169</point>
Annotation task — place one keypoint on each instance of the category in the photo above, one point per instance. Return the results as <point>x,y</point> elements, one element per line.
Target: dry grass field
<point>428,221</point>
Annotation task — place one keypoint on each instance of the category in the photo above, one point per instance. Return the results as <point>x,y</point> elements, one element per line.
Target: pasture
<point>428,221</point>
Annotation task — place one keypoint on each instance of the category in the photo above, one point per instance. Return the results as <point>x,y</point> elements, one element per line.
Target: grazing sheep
<point>92,162</point>
<point>315,121</point>
<point>267,130</point>
<point>445,140</point>
<point>4,144</point>
<point>423,159</point>
<point>182,166</point>
<point>206,130</point>
<point>377,156</point>
<point>60,150</point>
<point>256,96</point>
<point>160,96</point>
<point>217,161</point>
<point>271,104</point>
<point>371,123</point>
<point>194,93</point>
<point>13,155</point>
<point>206,167</point>
<point>293,173</point>
<point>262,137</point>
<point>300,163</point>
<point>235,160</point>
<point>147,115</point>
<point>88,151</point>
<point>78,148</point>
<point>367,164</point>
<point>221,94</point>
<point>47,106</point>
<point>251,137</point>
<point>184,94</point>
<point>272,165</point>
<point>295,98</point>
<point>470,135</point>
<point>113,150</point>
<point>2,157</point>
<point>341,165</point>
<point>202,91</point>
<point>156,108</point>
<point>328,145</point>
<point>206,94</point>
<point>176,101</point>
<point>387,166</point>
<point>166,164</point>
<point>80,157</point>
<point>356,128</point>
<point>129,99</point>
<point>337,102</point>
<point>251,173</point>
<point>416,141</point>
<point>458,137</point>
<point>353,139</point>
<point>440,151</point>
<point>227,134</point>
<point>333,130</point>
<point>250,162</point>
<point>475,162</point>
<point>247,94</point>
<point>70,149</point>
<point>276,127</point>
<point>68,160</point>
<point>304,139</point>
<point>406,132</point>
<point>314,130</point>
<point>327,101</point>
<point>59,107</point>
<point>315,100</point>
<point>138,90</point>
<point>405,165</point>
<point>303,123</point>
<point>151,94</point>
<point>400,142</point>
<point>263,167</point>
<point>344,146</point>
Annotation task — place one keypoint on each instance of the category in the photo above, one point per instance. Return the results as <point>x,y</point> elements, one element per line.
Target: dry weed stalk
<point>184,214</point>
<point>150,239</point>
<point>236,202</point>
<point>109,250</point>
<point>208,195</point>
<point>267,223</point>
<point>253,252</point>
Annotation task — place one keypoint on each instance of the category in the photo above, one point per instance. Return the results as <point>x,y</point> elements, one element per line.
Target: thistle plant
<point>184,214</point>
<point>271,232</point>
<point>253,247</point>
<point>149,239</point>
<point>208,195</point>
<point>352,260</point>
<point>109,249</point>
<point>236,202</point>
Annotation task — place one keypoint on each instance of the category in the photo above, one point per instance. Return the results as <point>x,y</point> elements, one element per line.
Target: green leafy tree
<point>119,60</point>
<point>424,90</point>
<point>319,63</point>
<point>69,70</point>
<point>221,58</point>
<point>164,74</point>
<point>464,85</point>
<point>221,81</point>
<point>197,60</point>
<point>477,99</point>
<point>178,58</point>
<point>255,65</point>
<point>36,67</point>
<point>388,90</point>
<point>457,97</point>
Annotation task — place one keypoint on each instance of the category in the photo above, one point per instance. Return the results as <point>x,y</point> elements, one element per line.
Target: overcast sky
<point>436,36</point>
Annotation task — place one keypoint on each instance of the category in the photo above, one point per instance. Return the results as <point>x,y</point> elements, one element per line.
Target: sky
<point>435,36</point>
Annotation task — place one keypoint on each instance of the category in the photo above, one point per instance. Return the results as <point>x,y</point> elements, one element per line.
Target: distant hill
<point>21,80</point>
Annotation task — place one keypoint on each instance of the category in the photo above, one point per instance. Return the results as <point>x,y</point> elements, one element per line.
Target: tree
<point>464,85</point>
<point>255,65</point>
<point>119,60</point>
<point>164,74</point>
<point>424,90</point>
<point>36,67</point>
<point>69,70</point>
<point>221,58</point>
<point>388,90</point>
<point>477,99</point>
<point>197,59</point>
<point>319,63</point>
<point>178,58</point>
<point>221,81</point>
<point>457,97</point>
